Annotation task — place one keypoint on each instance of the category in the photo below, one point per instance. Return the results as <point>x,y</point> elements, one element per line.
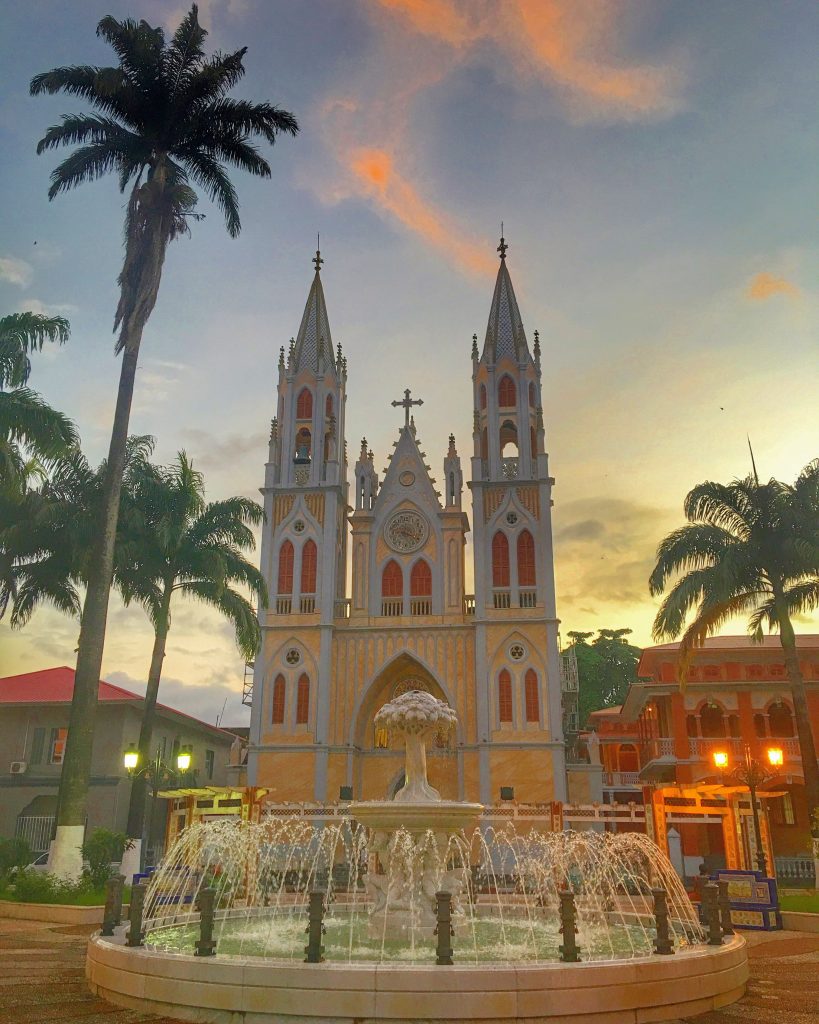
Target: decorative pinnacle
<point>274,428</point>
<point>281,356</point>
<point>338,352</point>
<point>317,260</point>
<point>537,343</point>
<point>452,453</point>
<point>503,246</point>
<point>363,448</point>
<point>474,346</point>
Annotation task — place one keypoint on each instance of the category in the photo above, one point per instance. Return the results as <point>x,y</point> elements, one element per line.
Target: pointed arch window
<point>500,560</point>
<point>304,445</point>
<point>278,700</point>
<point>421,579</point>
<point>504,696</point>
<point>285,584</point>
<point>304,405</point>
<point>303,700</point>
<point>507,393</point>
<point>526,560</point>
<point>392,580</point>
<point>309,560</point>
<point>483,396</point>
<point>532,694</point>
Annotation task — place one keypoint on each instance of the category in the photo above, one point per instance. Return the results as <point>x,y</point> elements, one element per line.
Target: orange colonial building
<point>658,749</point>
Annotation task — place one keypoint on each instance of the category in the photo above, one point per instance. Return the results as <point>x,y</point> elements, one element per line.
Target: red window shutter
<point>507,394</point>
<point>304,405</point>
<point>392,580</point>
<point>500,560</point>
<point>505,696</point>
<point>278,701</point>
<point>532,696</point>
<point>309,557</point>
<point>286,568</point>
<point>526,560</point>
<point>421,580</point>
<point>303,700</point>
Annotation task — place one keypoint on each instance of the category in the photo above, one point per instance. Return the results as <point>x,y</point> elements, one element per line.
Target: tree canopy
<point>606,668</point>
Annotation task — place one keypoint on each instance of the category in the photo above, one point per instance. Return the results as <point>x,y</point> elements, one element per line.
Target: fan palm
<point>179,545</point>
<point>164,124</point>
<point>32,434</point>
<point>751,549</point>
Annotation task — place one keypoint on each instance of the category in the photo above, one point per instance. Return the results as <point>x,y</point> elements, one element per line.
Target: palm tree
<point>163,120</point>
<point>750,549</point>
<point>32,434</point>
<point>180,545</point>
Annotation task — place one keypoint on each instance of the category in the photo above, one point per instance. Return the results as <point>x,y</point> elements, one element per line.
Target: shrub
<point>101,848</point>
<point>14,853</point>
<point>41,887</point>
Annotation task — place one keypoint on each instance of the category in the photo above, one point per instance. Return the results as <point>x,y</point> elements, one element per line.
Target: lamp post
<point>753,773</point>
<point>158,775</point>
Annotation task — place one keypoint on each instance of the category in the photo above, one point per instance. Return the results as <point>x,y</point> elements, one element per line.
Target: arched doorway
<point>378,765</point>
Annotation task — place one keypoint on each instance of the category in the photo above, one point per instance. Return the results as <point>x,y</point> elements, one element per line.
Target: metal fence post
<point>569,950</point>
<point>110,912</point>
<point>134,936</point>
<point>444,929</point>
<point>663,944</point>
<point>315,930</point>
<point>725,908</point>
<point>206,946</point>
<point>710,896</point>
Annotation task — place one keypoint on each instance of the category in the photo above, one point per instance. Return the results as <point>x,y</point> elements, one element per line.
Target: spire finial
<point>407,403</point>
<point>503,246</point>
<point>317,260</point>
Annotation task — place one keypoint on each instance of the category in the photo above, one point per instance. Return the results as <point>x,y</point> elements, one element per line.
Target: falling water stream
<point>506,889</point>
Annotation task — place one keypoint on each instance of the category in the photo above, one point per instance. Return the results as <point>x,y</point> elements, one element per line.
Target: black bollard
<point>134,936</point>
<point>663,944</point>
<point>315,930</point>
<point>206,946</point>
<point>725,908</point>
<point>569,950</point>
<point>109,914</point>
<point>710,897</point>
<point>443,929</point>
<point>119,885</point>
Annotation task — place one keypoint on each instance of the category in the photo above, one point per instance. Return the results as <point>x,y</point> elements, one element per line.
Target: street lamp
<point>158,775</point>
<point>753,773</point>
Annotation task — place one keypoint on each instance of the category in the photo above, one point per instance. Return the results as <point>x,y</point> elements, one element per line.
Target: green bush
<point>41,887</point>
<point>14,853</point>
<point>101,848</point>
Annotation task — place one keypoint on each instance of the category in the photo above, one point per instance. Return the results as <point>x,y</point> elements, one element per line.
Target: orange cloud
<point>373,170</point>
<point>438,18</point>
<point>764,286</point>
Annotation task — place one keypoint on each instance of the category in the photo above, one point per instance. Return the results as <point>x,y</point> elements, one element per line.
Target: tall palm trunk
<point>139,788</point>
<point>144,256</point>
<point>807,746</point>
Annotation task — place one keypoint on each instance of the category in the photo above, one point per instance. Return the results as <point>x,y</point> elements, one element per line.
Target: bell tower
<point>517,659</point>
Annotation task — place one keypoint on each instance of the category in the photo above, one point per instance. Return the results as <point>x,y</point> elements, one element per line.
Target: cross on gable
<point>407,403</point>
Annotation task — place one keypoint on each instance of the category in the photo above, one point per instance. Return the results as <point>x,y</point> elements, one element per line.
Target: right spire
<point>504,332</point>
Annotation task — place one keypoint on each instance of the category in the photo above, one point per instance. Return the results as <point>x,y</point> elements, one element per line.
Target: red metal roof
<point>56,686</point>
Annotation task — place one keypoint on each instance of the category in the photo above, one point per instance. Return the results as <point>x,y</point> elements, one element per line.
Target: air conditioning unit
<point>17,767</point>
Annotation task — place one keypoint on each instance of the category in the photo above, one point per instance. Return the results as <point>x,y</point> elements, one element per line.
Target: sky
<point>654,165</point>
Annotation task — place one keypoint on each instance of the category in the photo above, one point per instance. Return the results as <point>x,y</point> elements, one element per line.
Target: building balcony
<point>307,604</point>
<point>527,598</point>
<point>621,780</point>
<point>392,607</point>
<point>469,604</point>
<point>701,748</point>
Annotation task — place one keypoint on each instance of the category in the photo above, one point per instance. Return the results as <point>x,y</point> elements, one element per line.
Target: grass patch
<point>803,903</point>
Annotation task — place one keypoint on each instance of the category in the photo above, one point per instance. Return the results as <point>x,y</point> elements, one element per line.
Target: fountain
<point>378,871</point>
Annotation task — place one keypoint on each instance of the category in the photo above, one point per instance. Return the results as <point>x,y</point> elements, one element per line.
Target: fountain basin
<point>234,990</point>
<point>448,816</point>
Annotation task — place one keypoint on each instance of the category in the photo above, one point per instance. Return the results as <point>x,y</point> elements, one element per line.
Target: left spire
<point>314,342</point>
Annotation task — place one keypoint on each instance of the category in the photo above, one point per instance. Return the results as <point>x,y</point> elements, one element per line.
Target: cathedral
<point>331,656</point>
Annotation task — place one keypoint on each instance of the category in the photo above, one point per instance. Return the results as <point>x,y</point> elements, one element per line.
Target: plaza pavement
<point>42,979</point>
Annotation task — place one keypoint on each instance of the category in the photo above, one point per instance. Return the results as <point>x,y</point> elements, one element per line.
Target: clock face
<point>406,530</point>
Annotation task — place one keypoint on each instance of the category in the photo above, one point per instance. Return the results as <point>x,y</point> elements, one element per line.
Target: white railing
<point>703,748</point>
<point>284,605</point>
<point>509,468</point>
<point>528,598</point>
<point>36,830</point>
<point>616,779</point>
<point>420,606</point>
<point>469,604</point>
<point>307,604</point>
<point>796,869</point>
<point>502,599</point>
<point>342,608</point>
<point>392,607</point>
<point>659,746</point>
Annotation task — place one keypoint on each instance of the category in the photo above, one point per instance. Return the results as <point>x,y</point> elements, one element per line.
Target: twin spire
<point>314,343</point>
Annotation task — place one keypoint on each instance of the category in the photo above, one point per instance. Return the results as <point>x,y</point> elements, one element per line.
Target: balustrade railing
<point>341,609</point>
<point>469,604</point>
<point>528,598</point>
<point>392,607</point>
<point>502,599</point>
<point>284,605</point>
<point>615,779</point>
<point>307,604</point>
<point>420,606</point>
<point>796,869</point>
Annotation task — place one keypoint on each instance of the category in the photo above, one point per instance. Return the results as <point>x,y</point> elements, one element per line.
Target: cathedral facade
<point>330,658</point>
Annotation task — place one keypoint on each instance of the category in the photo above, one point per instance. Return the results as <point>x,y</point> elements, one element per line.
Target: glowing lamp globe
<point>183,759</point>
<point>131,758</point>
<point>720,759</point>
<point>775,756</point>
